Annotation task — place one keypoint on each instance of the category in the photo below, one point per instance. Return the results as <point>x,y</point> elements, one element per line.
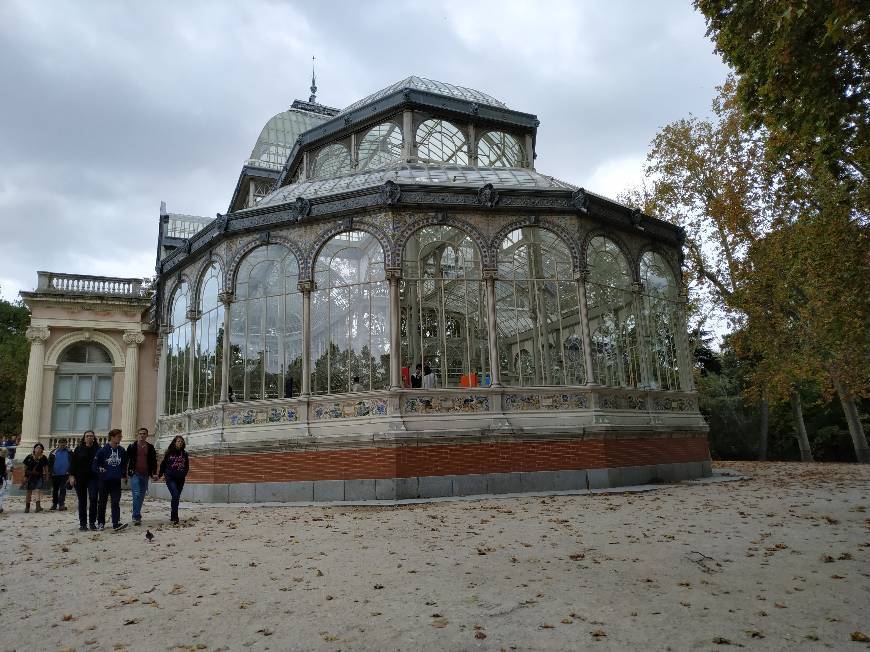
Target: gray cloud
<point>111,107</point>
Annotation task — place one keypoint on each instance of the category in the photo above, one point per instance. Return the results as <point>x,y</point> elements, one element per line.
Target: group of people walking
<point>97,472</point>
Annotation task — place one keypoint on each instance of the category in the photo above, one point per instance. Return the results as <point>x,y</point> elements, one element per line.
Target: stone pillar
<point>161,370</point>
<point>131,383</point>
<point>530,152</point>
<point>306,287</point>
<point>472,145</point>
<point>492,330</point>
<point>193,317</point>
<point>643,346</point>
<point>681,328</point>
<point>226,298</point>
<point>393,277</point>
<point>585,330</point>
<point>36,335</point>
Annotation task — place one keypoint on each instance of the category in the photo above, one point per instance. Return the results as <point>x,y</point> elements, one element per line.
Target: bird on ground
<point>149,536</point>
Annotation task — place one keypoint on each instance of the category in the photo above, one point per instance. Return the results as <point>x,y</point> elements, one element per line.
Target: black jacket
<point>82,459</point>
<point>133,451</point>
<point>170,469</point>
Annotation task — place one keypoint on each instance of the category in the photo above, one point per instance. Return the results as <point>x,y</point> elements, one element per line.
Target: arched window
<point>381,146</point>
<point>178,352</point>
<point>498,149</point>
<point>266,326</point>
<point>443,308</point>
<point>83,389</point>
<point>612,316</point>
<point>350,336</point>
<point>661,320</point>
<point>209,341</point>
<point>331,161</point>
<point>441,142</point>
<point>538,311</point>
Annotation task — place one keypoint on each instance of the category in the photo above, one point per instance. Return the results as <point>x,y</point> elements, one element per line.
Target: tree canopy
<point>14,351</point>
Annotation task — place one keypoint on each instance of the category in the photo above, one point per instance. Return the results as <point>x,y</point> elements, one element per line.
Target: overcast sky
<point>110,107</point>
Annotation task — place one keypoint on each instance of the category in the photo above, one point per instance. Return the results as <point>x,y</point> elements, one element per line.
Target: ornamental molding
<point>580,200</point>
<point>226,297</point>
<point>390,192</point>
<point>133,338</point>
<point>487,196</point>
<point>111,343</point>
<point>37,334</point>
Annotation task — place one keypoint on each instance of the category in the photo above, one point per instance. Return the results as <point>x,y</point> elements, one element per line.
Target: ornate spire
<point>313,97</point>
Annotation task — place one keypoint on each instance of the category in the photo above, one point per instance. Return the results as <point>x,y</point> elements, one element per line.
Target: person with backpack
<point>110,465</point>
<point>59,464</point>
<point>35,469</point>
<point>174,467</point>
<point>85,481</point>
<point>141,466</point>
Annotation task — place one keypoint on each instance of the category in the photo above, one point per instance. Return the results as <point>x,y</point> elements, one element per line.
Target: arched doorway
<point>83,389</point>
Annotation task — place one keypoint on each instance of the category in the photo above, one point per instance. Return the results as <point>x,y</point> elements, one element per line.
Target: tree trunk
<point>800,428</point>
<point>859,439</point>
<point>762,442</point>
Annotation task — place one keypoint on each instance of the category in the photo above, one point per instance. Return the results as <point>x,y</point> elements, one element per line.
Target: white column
<point>36,335</point>
<point>305,287</point>
<point>687,380</point>
<point>409,150</point>
<point>161,371</point>
<point>226,298</point>
<point>492,330</point>
<point>393,276</point>
<point>192,316</point>
<point>643,345</point>
<point>585,331</point>
<point>131,383</point>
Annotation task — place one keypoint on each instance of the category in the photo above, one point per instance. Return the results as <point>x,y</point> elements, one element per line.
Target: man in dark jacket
<point>110,465</point>
<point>85,480</point>
<point>141,465</point>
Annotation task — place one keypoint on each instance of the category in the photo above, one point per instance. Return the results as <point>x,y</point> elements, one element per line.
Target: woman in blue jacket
<point>174,468</point>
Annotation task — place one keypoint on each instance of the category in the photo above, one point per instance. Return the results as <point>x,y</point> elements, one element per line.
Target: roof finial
<point>313,97</point>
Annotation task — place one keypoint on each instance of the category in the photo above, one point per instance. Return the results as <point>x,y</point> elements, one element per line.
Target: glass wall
<point>266,326</point>
<point>498,149</point>
<point>381,146</point>
<point>661,318</point>
<point>331,161</point>
<point>612,316</point>
<point>540,339</point>
<point>178,352</point>
<point>208,354</point>
<point>350,340</point>
<point>443,308</point>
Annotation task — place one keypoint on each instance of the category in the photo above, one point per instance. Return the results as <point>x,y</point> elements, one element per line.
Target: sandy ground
<point>779,560</point>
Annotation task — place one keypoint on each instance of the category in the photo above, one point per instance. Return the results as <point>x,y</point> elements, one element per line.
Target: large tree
<point>14,350</point>
<point>803,70</point>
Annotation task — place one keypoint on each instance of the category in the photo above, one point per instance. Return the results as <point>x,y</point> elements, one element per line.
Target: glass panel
<point>349,315</point>
<point>498,149</point>
<point>82,417</point>
<point>104,388</point>
<point>661,321</point>
<point>332,161</point>
<point>441,141</point>
<point>62,415</point>
<point>381,146</point>
<point>84,388</point>
<point>64,389</point>
<point>103,417</point>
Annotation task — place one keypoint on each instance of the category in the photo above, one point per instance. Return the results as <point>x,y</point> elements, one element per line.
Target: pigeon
<point>149,536</point>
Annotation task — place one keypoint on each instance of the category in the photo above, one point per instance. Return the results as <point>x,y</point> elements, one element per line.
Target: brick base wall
<point>445,459</point>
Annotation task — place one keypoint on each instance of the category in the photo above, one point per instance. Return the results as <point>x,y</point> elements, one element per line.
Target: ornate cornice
<point>133,338</point>
<point>37,334</point>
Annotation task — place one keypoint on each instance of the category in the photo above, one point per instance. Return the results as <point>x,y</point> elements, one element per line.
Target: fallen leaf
<point>860,637</point>
<point>479,635</point>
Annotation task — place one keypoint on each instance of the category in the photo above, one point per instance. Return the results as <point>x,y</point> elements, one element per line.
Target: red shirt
<point>141,459</point>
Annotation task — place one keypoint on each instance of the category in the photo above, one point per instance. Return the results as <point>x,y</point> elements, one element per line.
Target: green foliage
<point>804,71</point>
<point>14,352</point>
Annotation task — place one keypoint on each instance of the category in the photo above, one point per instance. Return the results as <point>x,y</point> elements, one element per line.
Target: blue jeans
<point>139,487</point>
<point>109,489</point>
<point>86,490</point>
<point>175,486</point>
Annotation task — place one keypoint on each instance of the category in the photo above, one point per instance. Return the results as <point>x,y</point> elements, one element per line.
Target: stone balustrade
<point>83,284</point>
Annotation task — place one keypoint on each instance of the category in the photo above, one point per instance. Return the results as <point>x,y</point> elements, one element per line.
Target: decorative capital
<point>36,334</point>
<point>582,275</point>
<point>580,200</point>
<point>637,288</point>
<point>301,207</point>
<point>226,297</point>
<point>487,195</point>
<point>489,274</point>
<point>390,192</point>
<point>394,273</point>
<point>306,286</point>
<point>193,314</point>
<point>133,338</point>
